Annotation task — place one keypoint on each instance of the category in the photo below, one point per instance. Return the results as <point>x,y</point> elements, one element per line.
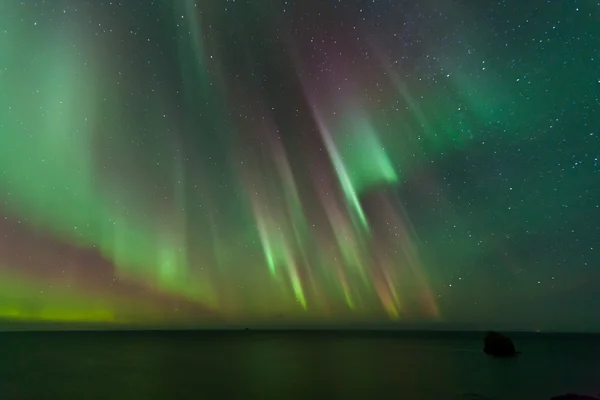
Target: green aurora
<point>185,162</point>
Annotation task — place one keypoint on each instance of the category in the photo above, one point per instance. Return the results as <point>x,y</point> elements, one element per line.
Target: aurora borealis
<point>184,161</point>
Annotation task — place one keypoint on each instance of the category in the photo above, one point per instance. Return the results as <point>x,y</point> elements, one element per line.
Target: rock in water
<point>498,345</point>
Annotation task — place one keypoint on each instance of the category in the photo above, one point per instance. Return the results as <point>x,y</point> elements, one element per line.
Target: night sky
<point>334,161</point>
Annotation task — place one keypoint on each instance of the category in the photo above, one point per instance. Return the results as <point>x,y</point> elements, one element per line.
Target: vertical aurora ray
<point>296,281</point>
<point>274,228</point>
<point>343,176</point>
<point>348,241</point>
<point>266,244</point>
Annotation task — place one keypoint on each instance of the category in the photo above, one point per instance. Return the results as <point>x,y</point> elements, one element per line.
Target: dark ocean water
<point>257,365</point>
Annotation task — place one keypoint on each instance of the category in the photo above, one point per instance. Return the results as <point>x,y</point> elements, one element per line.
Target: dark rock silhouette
<point>571,396</point>
<point>498,345</point>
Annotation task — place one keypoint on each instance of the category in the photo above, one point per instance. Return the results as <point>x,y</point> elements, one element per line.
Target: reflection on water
<point>283,366</point>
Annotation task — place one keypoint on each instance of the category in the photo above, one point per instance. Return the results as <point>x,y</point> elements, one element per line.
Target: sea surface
<point>291,365</point>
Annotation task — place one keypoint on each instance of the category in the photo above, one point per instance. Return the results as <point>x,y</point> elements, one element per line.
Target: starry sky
<point>339,161</point>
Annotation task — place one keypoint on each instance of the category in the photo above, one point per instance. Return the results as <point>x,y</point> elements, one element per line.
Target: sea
<point>292,365</point>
